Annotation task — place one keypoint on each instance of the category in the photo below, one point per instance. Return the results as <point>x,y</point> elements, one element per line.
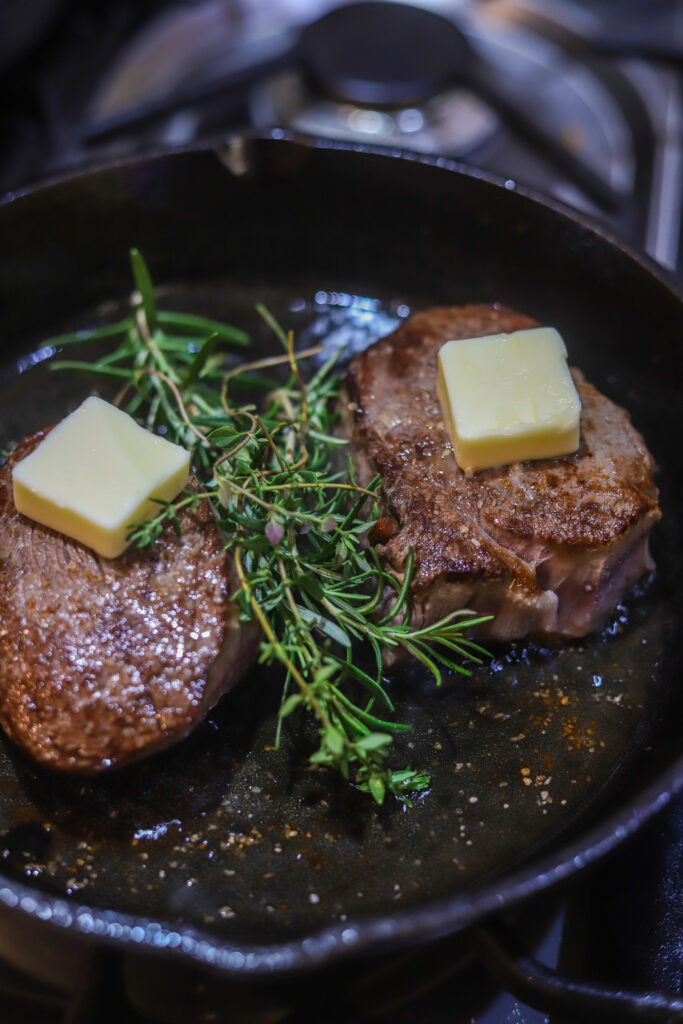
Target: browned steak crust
<point>105,660</point>
<point>547,546</point>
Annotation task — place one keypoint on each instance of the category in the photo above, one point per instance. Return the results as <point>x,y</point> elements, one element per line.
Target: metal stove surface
<point>618,118</point>
<point>621,119</point>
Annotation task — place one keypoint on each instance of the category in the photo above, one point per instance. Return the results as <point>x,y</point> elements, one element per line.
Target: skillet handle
<point>551,992</point>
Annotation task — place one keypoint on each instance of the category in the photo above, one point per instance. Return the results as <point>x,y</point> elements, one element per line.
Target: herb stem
<point>277,646</point>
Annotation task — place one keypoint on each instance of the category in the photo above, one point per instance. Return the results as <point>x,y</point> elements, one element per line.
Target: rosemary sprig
<point>294,524</point>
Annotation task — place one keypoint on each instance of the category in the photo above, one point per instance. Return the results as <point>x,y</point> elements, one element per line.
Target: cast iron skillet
<point>224,850</point>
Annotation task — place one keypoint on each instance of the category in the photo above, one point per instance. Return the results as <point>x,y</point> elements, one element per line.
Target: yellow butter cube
<point>96,473</point>
<point>508,397</point>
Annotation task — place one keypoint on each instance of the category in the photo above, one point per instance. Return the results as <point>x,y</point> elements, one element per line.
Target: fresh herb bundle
<point>294,525</point>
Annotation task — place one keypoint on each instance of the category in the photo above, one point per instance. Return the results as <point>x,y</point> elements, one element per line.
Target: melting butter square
<point>96,473</point>
<point>508,397</point>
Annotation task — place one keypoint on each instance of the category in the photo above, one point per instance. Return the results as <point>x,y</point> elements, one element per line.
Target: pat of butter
<point>508,397</point>
<point>96,473</point>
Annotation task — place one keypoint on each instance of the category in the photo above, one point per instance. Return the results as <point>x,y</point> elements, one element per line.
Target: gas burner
<point>382,71</point>
<point>382,54</point>
<point>494,97</point>
<point>455,123</point>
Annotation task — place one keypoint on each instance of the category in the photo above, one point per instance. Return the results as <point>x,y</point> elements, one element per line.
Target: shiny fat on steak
<point>103,661</point>
<point>547,547</point>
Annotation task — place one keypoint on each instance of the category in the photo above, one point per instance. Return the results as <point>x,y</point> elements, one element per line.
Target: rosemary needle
<point>294,524</point>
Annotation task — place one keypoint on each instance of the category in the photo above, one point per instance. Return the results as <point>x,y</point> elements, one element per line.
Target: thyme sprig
<point>294,522</point>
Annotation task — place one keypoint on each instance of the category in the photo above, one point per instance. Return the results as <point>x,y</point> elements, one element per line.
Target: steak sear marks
<point>103,661</point>
<point>548,546</point>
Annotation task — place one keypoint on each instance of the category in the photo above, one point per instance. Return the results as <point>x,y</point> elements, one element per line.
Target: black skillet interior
<point>224,839</point>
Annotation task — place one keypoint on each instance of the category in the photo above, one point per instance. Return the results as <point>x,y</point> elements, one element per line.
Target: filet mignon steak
<point>547,547</point>
<point>104,661</point>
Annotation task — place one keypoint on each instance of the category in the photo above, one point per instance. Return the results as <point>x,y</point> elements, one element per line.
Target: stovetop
<point>581,102</point>
<point>532,97</point>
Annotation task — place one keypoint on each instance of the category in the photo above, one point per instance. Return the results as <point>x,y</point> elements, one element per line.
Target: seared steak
<point>104,661</point>
<point>548,547</point>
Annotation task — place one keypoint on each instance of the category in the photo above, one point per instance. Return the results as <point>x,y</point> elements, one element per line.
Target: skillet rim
<point>378,932</point>
<point>664,275</point>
